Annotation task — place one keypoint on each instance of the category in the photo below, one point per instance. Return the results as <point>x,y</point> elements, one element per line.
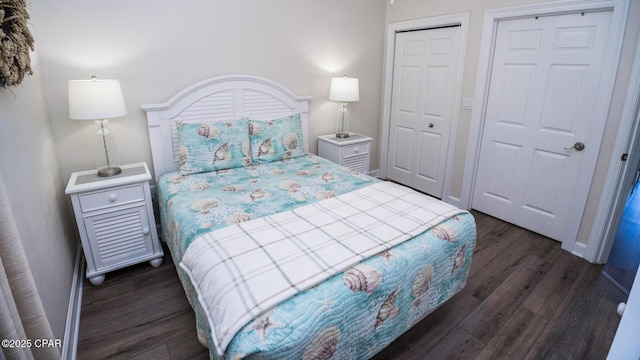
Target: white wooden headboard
<point>221,98</point>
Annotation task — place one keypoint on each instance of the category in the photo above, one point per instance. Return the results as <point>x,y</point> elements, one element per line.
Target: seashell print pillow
<point>213,146</point>
<point>276,140</point>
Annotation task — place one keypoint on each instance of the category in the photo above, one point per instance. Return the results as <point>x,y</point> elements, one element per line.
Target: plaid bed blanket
<point>243,270</point>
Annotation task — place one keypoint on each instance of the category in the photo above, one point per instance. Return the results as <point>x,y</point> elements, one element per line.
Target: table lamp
<point>99,99</point>
<point>344,89</point>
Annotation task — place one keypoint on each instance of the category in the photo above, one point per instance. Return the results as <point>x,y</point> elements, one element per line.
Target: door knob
<point>579,146</point>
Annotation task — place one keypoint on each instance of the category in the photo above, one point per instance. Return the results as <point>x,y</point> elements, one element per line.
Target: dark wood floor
<point>525,299</point>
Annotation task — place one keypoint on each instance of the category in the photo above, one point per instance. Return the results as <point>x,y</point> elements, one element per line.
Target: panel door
<point>541,99</point>
<point>424,77</point>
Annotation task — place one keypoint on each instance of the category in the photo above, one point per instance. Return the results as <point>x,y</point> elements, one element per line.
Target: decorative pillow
<point>213,146</point>
<point>275,140</point>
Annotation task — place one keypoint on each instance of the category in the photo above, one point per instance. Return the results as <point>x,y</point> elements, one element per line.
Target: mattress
<point>344,316</point>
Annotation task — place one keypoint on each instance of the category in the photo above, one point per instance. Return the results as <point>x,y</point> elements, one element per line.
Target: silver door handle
<point>579,146</point>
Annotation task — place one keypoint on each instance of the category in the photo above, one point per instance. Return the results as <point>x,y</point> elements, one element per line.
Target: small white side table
<point>352,152</point>
<point>115,219</point>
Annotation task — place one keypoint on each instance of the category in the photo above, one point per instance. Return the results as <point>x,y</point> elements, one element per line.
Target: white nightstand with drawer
<point>352,152</point>
<point>115,219</point>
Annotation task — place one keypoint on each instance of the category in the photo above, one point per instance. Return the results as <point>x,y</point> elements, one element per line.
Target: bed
<point>281,253</point>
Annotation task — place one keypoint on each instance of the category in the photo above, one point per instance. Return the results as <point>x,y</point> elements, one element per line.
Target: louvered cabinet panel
<point>115,220</point>
<point>357,163</point>
<point>120,236</point>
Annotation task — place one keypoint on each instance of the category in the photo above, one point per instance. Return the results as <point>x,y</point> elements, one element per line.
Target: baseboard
<point>580,249</point>
<point>615,282</point>
<point>70,342</point>
<point>455,201</point>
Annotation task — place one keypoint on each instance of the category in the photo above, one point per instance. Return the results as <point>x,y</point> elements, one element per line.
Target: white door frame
<point>426,23</point>
<point>491,19</point>
<point>621,174</point>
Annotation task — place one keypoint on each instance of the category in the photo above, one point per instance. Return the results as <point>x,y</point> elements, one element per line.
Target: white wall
<point>29,168</point>
<point>403,10</point>
<point>158,47</point>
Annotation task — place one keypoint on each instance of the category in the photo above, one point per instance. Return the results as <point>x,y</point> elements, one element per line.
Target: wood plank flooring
<point>525,299</point>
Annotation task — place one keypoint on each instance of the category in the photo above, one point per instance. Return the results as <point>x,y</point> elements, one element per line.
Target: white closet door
<point>542,94</point>
<point>422,103</point>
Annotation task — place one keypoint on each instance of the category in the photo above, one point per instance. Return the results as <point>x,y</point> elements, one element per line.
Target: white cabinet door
<point>119,237</point>
<point>422,103</point>
<point>542,94</point>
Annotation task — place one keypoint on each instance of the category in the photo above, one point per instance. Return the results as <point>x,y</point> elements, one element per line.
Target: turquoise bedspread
<point>340,318</point>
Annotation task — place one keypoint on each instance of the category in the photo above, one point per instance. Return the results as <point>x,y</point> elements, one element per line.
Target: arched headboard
<point>221,98</point>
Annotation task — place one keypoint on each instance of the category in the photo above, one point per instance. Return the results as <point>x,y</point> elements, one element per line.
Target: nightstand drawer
<point>111,197</point>
<point>353,150</point>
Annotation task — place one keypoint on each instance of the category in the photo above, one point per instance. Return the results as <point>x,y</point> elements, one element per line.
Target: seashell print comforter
<point>353,314</point>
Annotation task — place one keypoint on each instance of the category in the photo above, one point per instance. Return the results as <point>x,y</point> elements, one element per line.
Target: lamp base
<point>342,135</point>
<point>109,171</point>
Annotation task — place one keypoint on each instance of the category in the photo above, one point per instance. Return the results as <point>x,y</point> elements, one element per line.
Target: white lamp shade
<point>95,99</point>
<point>344,89</point>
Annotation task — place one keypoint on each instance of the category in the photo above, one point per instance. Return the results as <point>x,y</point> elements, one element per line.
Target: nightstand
<point>352,152</point>
<point>115,219</point>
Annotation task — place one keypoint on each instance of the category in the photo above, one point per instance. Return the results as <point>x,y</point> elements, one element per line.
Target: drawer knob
<point>356,150</point>
<point>113,197</point>
<point>145,231</point>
